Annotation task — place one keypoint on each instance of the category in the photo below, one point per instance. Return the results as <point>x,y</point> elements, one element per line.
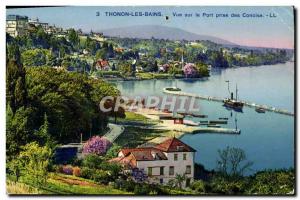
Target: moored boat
<point>260,110</point>
<point>232,103</point>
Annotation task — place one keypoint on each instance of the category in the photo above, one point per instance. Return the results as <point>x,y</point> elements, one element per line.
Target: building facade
<point>162,162</point>
<point>16,25</point>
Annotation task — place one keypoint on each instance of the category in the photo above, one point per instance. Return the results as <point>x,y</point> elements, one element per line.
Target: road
<point>114,132</point>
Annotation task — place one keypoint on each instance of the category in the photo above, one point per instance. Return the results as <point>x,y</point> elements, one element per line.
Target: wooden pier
<point>249,104</point>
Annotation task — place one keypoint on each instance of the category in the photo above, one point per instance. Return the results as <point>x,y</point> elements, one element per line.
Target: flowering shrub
<point>67,169</point>
<point>76,171</point>
<point>97,145</point>
<point>190,70</point>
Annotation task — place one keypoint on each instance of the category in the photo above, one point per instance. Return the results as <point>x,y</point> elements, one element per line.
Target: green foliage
<point>19,128</point>
<point>35,161</point>
<point>272,182</point>
<point>70,100</point>
<point>73,37</point>
<point>113,151</point>
<point>202,69</point>
<point>198,186</point>
<point>15,85</point>
<point>179,180</point>
<point>92,161</point>
<point>35,57</point>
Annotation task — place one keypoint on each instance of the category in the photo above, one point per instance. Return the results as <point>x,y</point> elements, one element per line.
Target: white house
<point>16,25</point>
<point>161,162</point>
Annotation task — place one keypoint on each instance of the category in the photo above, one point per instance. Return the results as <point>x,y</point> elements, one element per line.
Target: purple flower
<point>67,170</point>
<point>190,71</point>
<point>97,145</point>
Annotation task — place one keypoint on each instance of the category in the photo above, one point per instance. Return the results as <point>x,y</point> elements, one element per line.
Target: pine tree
<point>16,92</point>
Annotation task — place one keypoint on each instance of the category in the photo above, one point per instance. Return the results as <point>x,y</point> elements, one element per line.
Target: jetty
<point>218,99</point>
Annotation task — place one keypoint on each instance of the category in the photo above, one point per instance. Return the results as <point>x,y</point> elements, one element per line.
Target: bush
<point>142,189</point>
<point>101,176</point>
<point>92,161</point>
<point>97,175</point>
<point>96,145</point>
<point>86,173</point>
<point>199,186</point>
<point>76,171</point>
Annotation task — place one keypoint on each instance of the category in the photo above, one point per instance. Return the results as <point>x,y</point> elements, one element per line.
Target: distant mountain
<point>160,32</point>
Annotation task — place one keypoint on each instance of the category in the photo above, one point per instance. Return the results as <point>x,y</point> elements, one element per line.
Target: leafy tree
<point>43,135</point>
<point>92,161</point>
<point>15,85</point>
<point>35,57</point>
<point>202,69</point>
<point>35,160</point>
<point>73,37</point>
<point>19,126</point>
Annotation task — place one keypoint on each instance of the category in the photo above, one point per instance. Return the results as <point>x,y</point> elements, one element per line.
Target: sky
<point>276,32</point>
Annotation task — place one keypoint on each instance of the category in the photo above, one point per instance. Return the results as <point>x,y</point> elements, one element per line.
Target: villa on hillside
<point>102,65</point>
<point>162,162</point>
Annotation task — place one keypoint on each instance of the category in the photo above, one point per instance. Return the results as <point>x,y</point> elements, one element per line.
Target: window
<point>149,171</point>
<point>171,170</point>
<point>161,171</point>
<point>188,169</point>
<point>184,156</point>
<point>161,181</point>
<point>175,156</point>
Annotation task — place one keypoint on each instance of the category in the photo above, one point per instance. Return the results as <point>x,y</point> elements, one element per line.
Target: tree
<point>190,71</point>
<point>232,162</point>
<point>43,135</point>
<point>92,161</point>
<point>35,57</point>
<point>179,179</point>
<point>16,92</point>
<point>202,69</point>
<point>115,110</point>
<point>35,160</point>
<point>19,128</point>
<point>73,37</point>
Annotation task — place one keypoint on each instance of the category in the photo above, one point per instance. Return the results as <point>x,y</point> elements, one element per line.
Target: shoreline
<point>179,130</point>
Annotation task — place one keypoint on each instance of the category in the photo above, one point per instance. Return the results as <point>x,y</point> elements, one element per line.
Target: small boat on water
<point>232,103</point>
<point>260,110</point>
<point>174,89</point>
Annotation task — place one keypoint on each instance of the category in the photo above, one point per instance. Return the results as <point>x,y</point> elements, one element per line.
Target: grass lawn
<point>132,117</point>
<point>134,136</point>
<point>61,184</point>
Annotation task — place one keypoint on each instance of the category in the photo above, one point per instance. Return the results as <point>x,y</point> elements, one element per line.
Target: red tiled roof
<point>128,161</point>
<point>174,145</point>
<point>142,154</point>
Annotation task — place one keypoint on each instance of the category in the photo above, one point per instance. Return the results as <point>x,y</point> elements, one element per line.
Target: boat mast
<point>228,86</point>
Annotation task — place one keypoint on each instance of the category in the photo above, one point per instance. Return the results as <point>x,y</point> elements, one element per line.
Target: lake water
<point>267,139</point>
